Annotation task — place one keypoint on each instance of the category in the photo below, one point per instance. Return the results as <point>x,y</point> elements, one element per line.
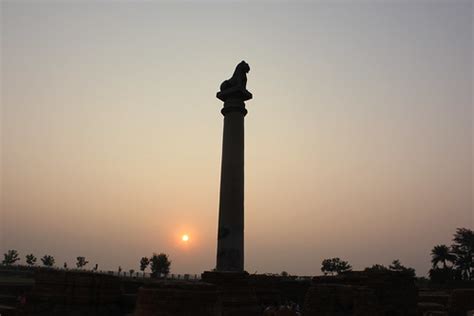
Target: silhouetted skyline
<point>359,145</point>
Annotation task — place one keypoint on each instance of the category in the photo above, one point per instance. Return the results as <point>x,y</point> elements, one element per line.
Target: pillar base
<point>177,298</point>
<point>235,295</point>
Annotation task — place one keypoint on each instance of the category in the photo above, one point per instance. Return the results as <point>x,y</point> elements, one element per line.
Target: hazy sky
<point>358,140</point>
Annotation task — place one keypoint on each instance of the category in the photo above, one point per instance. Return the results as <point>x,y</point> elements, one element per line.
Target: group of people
<point>289,309</point>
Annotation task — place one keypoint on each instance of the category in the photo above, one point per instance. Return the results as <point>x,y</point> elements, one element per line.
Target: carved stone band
<point>233,108</point>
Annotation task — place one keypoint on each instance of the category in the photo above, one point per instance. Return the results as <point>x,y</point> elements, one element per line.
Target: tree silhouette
<point>10,257</point>
<point>463,249</point>
<point>441,254</point>
<point>81,262</point>
<point>144,264</point>
<point>160,265</point>
<point>48,261</point>
<point>327,266</point>
<point>30,259</point>
<point>335,265</point>
<point>442,275</point>
<point>376,268</point>
<point>131,272</point>
<point>397,266</point>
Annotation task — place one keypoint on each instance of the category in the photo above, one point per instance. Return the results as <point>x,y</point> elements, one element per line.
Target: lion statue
<point>239,78</point>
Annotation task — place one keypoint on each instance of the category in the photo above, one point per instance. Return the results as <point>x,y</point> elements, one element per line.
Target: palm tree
<point>441,253</point>
<point>463,249</point>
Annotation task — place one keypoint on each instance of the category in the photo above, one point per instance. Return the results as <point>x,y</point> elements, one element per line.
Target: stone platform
<point>361,293</point>
<point>176,298</point>
<point>235,295</point>
<point>64,293</point>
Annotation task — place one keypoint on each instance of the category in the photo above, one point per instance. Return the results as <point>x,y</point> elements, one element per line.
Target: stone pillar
<point>235,295</point>
<point>230,239</point>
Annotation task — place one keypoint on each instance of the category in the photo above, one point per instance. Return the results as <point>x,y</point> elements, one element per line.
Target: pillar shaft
<point>230,240</point>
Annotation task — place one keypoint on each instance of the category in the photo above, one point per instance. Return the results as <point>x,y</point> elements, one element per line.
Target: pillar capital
<point>234,93</point>
<point>234,100</point>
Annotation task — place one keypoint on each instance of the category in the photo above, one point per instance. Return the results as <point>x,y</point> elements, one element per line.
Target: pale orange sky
<point>358,139</point>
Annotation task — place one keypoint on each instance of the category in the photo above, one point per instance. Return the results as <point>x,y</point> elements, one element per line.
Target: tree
<point>376,268</point>
<point>442,275</point>
<point>335,265</point>
<point>160,265</point>
<point>441,254</point>
<point>131,272</point>
<point>284,274</point>
<point>144,264</point>
<point>30,259</point>
<point>398,267</point>
<point>81,262</point>
<point>327,266</point>
<point>343,266</point>
<point>10,257</point>
<point>463,249</point>
<point>48,261</point>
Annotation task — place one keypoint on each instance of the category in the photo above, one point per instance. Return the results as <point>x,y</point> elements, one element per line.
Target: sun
<point>185,238</point>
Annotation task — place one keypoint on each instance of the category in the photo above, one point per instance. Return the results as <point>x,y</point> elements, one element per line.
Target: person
<point>285,310</point>
<point>270,310</point>
<point>297,309</point>
<point>21,300</point>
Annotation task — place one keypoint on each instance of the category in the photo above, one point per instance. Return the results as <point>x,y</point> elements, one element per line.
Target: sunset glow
<point>358,141</point>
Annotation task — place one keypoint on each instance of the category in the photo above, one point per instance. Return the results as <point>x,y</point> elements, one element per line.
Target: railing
<point>23,269</point>
<point>146,275</point>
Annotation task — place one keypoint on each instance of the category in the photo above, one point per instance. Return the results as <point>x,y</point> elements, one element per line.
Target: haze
<point>358,139</point>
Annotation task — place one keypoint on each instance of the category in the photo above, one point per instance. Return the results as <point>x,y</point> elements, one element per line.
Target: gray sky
<point>358,139</point>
